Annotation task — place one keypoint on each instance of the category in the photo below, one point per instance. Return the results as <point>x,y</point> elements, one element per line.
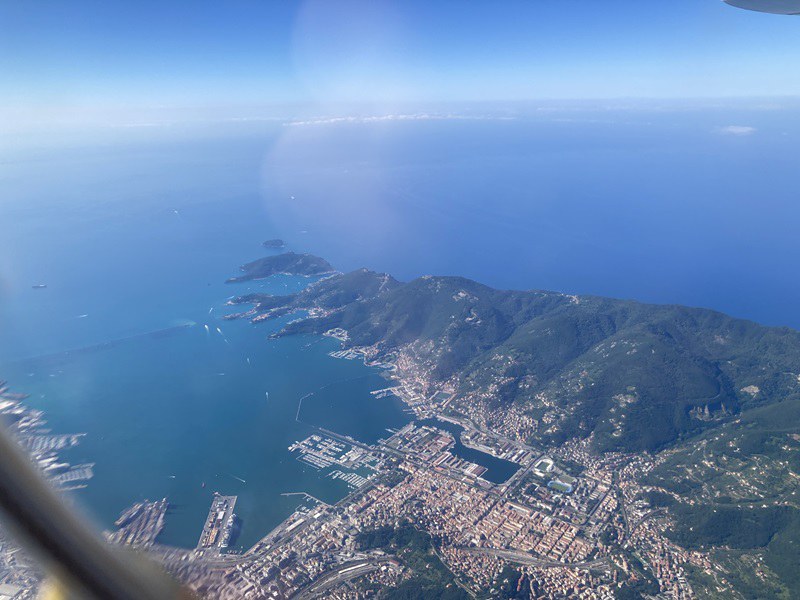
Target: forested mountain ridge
<point>634,376</point>
<point>713,401</point>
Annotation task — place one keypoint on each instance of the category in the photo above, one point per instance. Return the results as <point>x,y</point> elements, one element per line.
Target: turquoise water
<point>137,235</point>
<point>135,262</point>
<point>334,407</point>
<point>168,412</point>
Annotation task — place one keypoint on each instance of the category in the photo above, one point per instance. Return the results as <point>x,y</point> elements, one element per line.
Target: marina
<point>354,480</point>
<point>321,451</point>
<point>30,429</point>
<point>383,393</point>
<point>242,451</point>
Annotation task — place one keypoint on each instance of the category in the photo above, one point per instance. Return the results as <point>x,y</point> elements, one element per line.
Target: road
<point>342,573</point>
<point>526,559</point>
<point>644,518</point>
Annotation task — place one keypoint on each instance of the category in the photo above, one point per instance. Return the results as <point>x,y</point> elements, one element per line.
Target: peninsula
<point>289,263</point>
<point>657,445</point>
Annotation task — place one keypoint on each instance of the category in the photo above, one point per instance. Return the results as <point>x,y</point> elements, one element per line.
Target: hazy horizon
<point>88,62</point>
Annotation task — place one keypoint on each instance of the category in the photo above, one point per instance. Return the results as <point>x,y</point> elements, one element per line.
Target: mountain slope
<point>634,376</point>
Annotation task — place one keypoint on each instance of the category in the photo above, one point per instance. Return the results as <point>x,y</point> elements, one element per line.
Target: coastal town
<point>461,498</point>
<point>399,300</point>
<point>568,522</point>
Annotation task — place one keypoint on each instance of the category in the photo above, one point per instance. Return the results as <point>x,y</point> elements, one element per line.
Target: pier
<point>307,496</point>
<point>140,524</point>
<point>218,528</point>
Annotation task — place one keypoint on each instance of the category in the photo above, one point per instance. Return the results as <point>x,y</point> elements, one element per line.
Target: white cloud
<point>398,117</point>
<point>738,130</point>
<point>251,119</point>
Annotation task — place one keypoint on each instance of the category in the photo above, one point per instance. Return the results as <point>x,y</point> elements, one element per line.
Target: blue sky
<point>99,53</point>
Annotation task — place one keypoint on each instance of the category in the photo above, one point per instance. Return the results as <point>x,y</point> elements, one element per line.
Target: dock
<point>140,524</point>
<point>218,528</point>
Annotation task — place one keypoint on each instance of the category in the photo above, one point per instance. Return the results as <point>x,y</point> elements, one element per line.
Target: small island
<point>288,263</point>
<point>274,244</point>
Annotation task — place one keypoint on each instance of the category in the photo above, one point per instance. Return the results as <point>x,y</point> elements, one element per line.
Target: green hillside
<point>676,370</point>
<point>717,399</point>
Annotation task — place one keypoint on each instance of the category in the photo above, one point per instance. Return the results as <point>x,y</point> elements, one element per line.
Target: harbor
<point>242,452</point>
<point>322,451</point>
<point>140,524</point>
<point>29,427</point>
<point>218,528</point>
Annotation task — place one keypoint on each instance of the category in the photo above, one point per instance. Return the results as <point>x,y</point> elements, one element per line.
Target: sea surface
<point>134,233</point>
<point>185,412</point>
<point>497,470</point>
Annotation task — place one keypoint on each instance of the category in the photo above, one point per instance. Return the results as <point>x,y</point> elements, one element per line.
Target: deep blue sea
<point>135,231</point>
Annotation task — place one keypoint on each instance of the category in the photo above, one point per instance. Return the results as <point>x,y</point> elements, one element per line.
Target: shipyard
<point>219,526</point>
<point>140,524</point>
